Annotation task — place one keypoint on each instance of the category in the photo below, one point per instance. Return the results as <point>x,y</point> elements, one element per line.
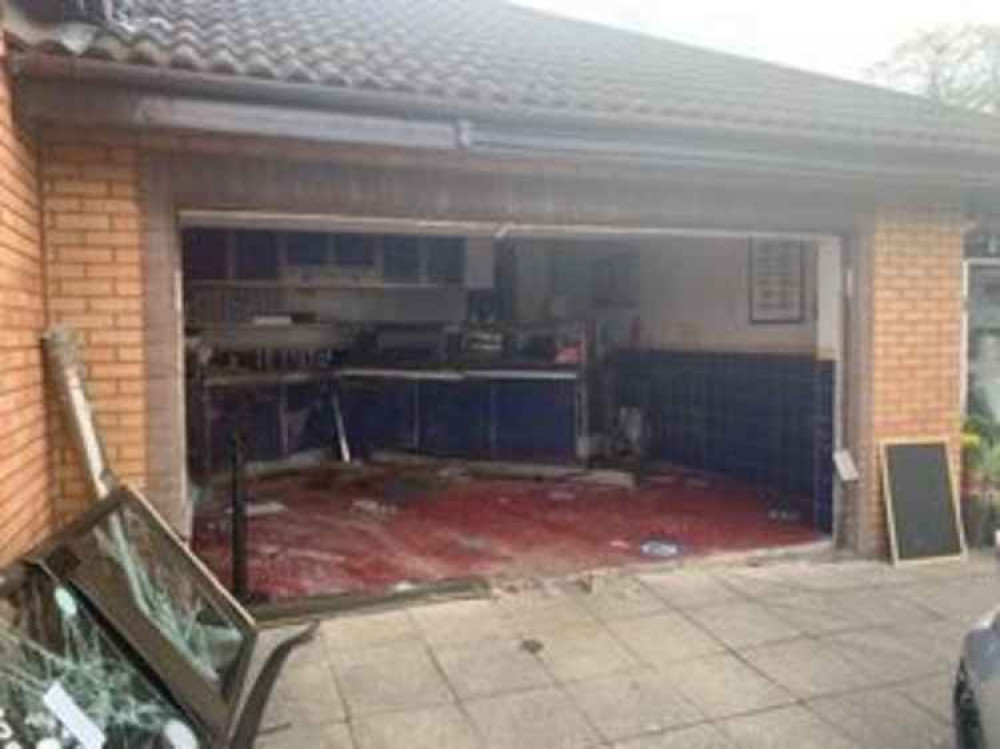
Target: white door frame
<point>970,265</point>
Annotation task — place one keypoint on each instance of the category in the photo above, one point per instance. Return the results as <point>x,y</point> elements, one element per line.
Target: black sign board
<point>920,500</point>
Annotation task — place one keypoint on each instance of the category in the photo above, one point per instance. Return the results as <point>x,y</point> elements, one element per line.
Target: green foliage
<point>981,444</point>
<point>989,465</point>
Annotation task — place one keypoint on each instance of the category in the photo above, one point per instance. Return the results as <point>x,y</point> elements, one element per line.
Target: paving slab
<point>963,599</point>
<point>393,677</point>
<point>809,668</point>
<point>770,581</point>
<point>462,622</point>
<point>638,661</point>
<point>689,589</point>
<point>789,727</point>
<point>443,727</point>
<point>977,564</point>
<point>892,657</point>
<point>307,696</point>
<point>491,667</point>
<point>743,624</point>
<point>933,694</point>
<point>943,639</point>
<point>816,614</point>
<point>583,653</point>
<point>316,737</point>
<point>631,704</point>
<point>622,599</point>
<point>881,606</point>
<point>696,737</point>
<point>369,630</point>
<point>663,639</point>
<point>723,685</point>
<point>885,720</point>
<point>539,613</point>
<point>545,719</point>
<point>830,577</point>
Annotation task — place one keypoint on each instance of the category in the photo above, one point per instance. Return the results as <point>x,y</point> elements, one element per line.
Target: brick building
<point>124,125</point>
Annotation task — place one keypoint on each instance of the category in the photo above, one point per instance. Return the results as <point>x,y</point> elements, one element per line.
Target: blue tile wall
<point>764,419</point>
<point>481,419</point>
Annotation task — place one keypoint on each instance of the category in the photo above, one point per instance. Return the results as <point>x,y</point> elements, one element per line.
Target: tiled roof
<point>496,54</point>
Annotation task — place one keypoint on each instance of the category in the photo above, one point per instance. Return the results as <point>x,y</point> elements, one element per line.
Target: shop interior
<point>413,406</point>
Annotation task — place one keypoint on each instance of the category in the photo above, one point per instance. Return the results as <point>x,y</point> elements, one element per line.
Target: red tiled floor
<point>369,530</point>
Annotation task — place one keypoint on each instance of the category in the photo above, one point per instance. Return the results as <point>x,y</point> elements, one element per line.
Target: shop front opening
<point>423,406</point>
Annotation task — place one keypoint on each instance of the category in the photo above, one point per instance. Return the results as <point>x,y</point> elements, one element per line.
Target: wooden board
<point>921,501</point>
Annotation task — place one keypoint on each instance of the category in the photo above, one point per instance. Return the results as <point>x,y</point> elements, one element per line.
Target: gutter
<point>146,96</point>
<point>29,65</point>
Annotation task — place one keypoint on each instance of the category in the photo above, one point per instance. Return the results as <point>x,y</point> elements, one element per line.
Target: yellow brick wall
<point>25,475</point>
<point>907,335</point>
<point>94,241</point>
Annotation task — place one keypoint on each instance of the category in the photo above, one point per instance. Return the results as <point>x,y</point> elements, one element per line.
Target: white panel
<point>829,300</point>
<point>480,266</point>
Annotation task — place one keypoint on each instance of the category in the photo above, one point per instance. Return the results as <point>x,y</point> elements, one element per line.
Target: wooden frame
<point>883,451</point>
<point>757,317</point>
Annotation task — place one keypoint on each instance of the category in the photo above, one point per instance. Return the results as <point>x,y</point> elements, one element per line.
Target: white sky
<point>841,37</point>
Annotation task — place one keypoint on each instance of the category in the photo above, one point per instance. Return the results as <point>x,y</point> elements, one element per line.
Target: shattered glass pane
<point>135,557</point>
<point>50,643</point>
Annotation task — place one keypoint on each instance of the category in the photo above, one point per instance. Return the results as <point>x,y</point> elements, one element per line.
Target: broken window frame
<point>217,706</point>
<point>55,642</point>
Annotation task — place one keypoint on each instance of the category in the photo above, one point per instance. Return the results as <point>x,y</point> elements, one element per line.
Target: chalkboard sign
<point>920,501</point>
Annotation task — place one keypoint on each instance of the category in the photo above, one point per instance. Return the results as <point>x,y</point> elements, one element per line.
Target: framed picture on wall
<point>777,282</point>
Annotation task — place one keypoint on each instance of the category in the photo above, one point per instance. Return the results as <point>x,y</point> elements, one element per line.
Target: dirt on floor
<point>375,528</point>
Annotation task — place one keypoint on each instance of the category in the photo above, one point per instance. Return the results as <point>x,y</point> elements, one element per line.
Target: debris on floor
<point>785,515</point>
<point>263,509</point>
<point>561,495</point>
<point>660,548</point>
<point>784,509</point>
<point>534,647</point>
<point>382,524</point>
<point>473,543</point>
<point>372,507</point>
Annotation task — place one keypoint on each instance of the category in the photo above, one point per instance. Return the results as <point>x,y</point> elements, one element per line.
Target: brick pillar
<point>25,471</point>
<point>94,241</point>
<point>905,358</point>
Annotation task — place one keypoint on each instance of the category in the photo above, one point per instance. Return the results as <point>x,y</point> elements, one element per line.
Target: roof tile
<point>488,50</point>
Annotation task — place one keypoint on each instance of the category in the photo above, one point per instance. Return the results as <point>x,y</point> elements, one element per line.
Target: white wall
<point>695,296</point>
<point>437,305</point>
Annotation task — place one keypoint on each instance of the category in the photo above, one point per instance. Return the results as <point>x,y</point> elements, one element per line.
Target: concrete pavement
<point>797,654</point>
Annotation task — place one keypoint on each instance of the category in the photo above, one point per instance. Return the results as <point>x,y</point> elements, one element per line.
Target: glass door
<point>983,337</point>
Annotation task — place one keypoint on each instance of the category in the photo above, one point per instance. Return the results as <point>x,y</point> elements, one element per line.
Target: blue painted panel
<point>380,415</point>
<point>535,420</point>
<point>256,413</point>
<point>455,418</point>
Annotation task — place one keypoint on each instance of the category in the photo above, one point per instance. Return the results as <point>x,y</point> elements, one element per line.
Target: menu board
<point>777,276</point>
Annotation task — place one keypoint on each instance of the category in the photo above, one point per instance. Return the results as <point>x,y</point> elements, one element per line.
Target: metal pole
<point>239,522</point>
